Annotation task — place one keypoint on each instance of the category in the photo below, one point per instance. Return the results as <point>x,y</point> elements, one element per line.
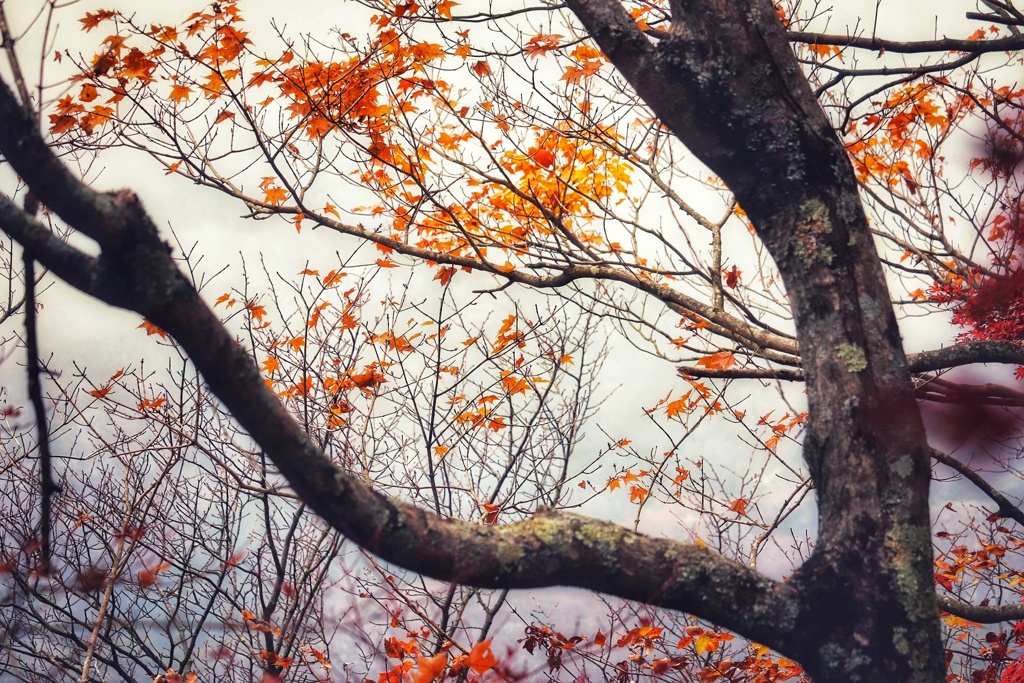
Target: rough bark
<point>727,85</point>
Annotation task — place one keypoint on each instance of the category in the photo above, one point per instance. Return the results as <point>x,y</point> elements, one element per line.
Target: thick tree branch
<point>727,84</point>
<point>966,354</point>
<point>135,271</point>
<point>983,614</point>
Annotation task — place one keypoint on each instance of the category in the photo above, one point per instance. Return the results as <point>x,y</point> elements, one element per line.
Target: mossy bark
<point>726,83</point>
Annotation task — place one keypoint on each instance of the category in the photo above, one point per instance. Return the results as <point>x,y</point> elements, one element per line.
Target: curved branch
<point>966,354</point>
<point>1005,507</point>
<point>136,271</point>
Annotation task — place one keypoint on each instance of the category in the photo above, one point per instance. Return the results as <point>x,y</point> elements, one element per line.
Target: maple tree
<point>744,198</point>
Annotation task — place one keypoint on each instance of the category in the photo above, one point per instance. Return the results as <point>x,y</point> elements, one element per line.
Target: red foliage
<point>1014,673</point>
<point>991,310</point>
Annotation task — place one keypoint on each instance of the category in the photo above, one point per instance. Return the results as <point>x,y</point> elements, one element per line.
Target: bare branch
<point>909,47</point>
<point>983,614</point>
<point>135,271</point>
<point>1004,508</point>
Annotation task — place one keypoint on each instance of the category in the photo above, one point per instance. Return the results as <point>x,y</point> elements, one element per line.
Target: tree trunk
<point>726,83</point>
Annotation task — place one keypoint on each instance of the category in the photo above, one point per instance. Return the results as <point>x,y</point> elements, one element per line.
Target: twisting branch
<point>135,271</point>
<point>966,354</point>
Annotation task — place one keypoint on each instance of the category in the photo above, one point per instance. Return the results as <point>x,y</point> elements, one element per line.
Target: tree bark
<point>727,85</point>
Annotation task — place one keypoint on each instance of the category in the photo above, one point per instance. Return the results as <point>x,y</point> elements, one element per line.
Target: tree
<point>542,191</point>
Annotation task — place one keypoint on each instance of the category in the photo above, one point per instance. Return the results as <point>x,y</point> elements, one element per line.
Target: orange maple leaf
<point>180,92</point>
<point>445,274</point>
<point>514,385</point>
<point>429,669</point>
<point>480,658</point>
<point>544,157</point>
<point>274,195</point>
<point>92,19</point>
<point>723,360</point>
<point>88,93</point>
<point>256,311</point>
<point>152,329</point>
<point>678,407</point>
<point>444,8</point>
<point>491,512</point>
<point>638,494</point>
<point>62,123</point>
<point>101,392</point>
<point>148,576</point>
<point>541,43</point>
<point>739,506</point>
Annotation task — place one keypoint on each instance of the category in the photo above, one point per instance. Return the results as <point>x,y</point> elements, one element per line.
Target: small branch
<point>995,19</point>
<point>1005,508</point>
<point>108,591</point>
<point>987,614</point>
<point>13,62</point>
<point>32,366</point>
<point>909,47</point>
<point>786,375</point>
